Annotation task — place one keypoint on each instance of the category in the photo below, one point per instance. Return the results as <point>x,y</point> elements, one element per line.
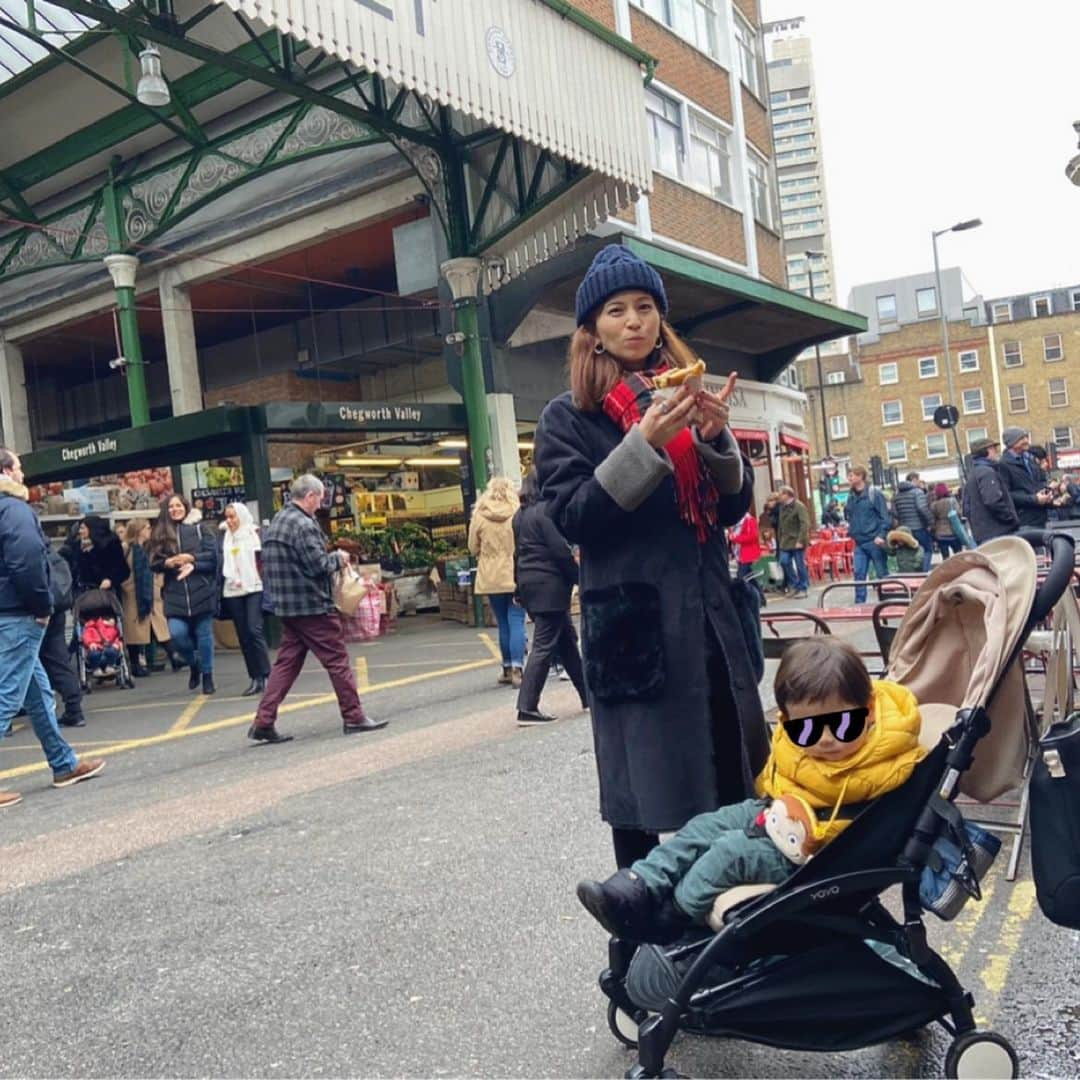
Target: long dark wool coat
<point>670,742</point>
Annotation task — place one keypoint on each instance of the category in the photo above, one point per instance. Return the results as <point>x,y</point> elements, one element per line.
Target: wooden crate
<point>456,604</point>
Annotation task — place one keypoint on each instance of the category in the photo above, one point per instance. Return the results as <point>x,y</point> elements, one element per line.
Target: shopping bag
<point>349,589</point>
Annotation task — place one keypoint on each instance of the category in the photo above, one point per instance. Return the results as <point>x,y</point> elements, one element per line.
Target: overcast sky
<point>934,111</point>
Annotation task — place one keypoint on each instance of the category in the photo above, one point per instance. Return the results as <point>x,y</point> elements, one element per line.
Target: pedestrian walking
<point>187,555</point>
<point>25,607</point>
<point>137,597</point>
<point>99,557</point>
<point>646,487</point>
<point>911,508</point>
<point>793,534</point>
<point>988,506</point>
<point>869,521</point>
<point>242,592</point>
<point>1024,479</point>
<point>942,505</point>
<point>297,570</point>
<point>744,538</point>
<point>55,652</point>
<point>491,541</point>
<point>545,572</point>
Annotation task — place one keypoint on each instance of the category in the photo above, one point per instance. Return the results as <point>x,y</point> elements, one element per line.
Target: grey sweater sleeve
<point>723,460</point>
<point>632,471</point>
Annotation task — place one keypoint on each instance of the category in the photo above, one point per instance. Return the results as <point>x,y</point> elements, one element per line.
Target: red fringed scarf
<point>694,488</point>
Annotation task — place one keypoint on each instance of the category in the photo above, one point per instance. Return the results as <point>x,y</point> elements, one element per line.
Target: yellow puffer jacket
<point>883,762</point>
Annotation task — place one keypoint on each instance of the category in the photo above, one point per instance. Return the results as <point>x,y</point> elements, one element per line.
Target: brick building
<point>1015,361</point>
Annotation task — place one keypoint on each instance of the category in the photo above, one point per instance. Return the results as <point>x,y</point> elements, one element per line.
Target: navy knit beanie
<point>615,269</point>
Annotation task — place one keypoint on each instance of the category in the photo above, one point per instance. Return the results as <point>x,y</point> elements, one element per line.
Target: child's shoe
<point>621,905</point>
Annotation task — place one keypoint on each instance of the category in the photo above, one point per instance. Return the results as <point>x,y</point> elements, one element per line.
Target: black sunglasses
<point>846,726</point>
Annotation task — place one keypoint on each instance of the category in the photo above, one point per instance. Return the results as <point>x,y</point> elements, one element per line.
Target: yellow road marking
<point>962,931</point>
<point>362,680</point>
<point>183,721</point>
<point>491,646</point>
<point>1021,904</point>
<point>236,721</point>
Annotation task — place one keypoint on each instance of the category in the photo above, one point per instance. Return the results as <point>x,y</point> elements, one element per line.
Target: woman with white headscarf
<point>242,591</point>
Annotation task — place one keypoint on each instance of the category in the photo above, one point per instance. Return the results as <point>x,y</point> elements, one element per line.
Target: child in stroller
<point>842,740</point>
<point>101,639</point>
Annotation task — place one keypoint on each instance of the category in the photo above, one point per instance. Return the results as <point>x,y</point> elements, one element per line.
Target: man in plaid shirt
<point>297,571</point>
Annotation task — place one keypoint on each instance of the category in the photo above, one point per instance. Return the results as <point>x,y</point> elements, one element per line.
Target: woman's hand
<point>663,420</point>
<point>185,571</point>
<point>105,584</point>
<point>715,410</point>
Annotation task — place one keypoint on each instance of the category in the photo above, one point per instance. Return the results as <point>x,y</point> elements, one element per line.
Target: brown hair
<point>593,374</point>
<point>163,540</point>
<point>814,669</point>
<point>134,527</point>
<point>859,470</point>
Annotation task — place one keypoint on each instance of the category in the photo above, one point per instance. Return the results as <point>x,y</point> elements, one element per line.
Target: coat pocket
<point>623,642</point>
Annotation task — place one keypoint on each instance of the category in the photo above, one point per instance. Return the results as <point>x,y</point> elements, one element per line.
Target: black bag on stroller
<point>1055,823</point>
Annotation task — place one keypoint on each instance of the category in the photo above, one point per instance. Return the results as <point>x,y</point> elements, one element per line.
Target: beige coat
<point>158,623</point>
<point>136,631</point>
<point>491,540</point>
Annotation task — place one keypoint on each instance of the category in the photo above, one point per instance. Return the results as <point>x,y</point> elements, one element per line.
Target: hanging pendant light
<point>152,89</point>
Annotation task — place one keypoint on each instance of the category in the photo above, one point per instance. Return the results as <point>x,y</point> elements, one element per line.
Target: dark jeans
<point>926,542</point>
<point>322,635</point>
<point>554,637</point>
<point>56,659</point>
<point>793,560</point>
<point>246,613</point>
<point>746,572</point>
<point>949,545</point>
<point>102,656</point>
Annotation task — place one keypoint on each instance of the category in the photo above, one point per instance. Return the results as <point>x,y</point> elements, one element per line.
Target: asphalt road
<point>399,903</point>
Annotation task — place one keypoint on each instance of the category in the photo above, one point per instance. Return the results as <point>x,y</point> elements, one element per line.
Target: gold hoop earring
<point>659,344</point>
<point>599,349</point>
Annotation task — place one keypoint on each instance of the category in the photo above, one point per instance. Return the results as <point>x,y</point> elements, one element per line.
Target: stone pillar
<point>178,323</point>
<point>504,436</point>
<point>14,411</point>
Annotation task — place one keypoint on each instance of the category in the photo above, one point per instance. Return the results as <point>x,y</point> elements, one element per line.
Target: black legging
<point>631,845</point>
<point>56,659</point>
<point>246,612</point>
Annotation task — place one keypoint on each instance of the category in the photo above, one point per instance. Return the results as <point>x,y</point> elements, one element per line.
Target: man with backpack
<point>869,521</point>
<point>25,609</point>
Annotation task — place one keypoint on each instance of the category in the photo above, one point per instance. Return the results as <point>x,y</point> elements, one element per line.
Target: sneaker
<point>563,677</point>
<point>86,769</point>
<point>72,720</point>
<point>515,678</point>
<point>528,717</point>
<point>621,905</point>
<point>9,798</point>
<point>800,595</point>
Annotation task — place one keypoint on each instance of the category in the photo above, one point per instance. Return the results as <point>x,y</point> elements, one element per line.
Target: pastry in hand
<point>676,376</point>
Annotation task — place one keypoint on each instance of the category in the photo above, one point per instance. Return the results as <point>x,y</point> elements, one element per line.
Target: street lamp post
<point>810,256</point>
<point>961,226</point>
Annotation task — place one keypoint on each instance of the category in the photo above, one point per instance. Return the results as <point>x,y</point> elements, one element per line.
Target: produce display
<point>138,489</point>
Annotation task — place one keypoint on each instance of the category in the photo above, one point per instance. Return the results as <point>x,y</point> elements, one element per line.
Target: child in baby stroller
<point>819,962</point>
<point>99,640</point>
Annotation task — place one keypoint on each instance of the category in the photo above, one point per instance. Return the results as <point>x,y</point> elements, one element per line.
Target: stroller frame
<point>828,894</point>
<point>123,677</point>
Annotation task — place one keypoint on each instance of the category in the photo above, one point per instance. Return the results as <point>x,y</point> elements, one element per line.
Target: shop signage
<point>92,449</point>
<point>285,416</point>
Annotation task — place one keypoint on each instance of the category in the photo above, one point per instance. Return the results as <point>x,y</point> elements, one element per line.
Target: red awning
<point>750,434</point>
<point>793,441</point>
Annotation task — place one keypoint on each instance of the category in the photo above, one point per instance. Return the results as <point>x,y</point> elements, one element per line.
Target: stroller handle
<point>1060,547</point>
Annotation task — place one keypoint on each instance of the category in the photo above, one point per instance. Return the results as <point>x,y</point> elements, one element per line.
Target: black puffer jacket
<point>910,507</point>
<point>100,558</point>
<point>544,568</point>
<point>199,593</point>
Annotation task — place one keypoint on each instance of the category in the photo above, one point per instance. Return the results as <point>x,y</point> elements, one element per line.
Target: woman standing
<point>159,625</point>
<point>745,539</point>
<point>187,556</point>
<point>99,556</point>
<point>491,540</point>
<point>545,572</point>
<point>137,595</point>
<point>944,535</point>
<point>645,489</point>
<point>242,591</point>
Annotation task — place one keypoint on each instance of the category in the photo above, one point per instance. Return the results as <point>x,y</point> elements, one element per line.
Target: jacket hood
<point>9,487</point>
<point>498,512</point>
<point>883,762</point>
<point>904,485</point>
<point>194,517</point>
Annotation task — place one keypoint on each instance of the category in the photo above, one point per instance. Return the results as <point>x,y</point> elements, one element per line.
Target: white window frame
<point>1022,387</point>
<point>653,116</point>
<point>1068,436</point>
<point>944,452</point>
<point>663,11</point>
<point>882,368</point>
<point>960,361</point>
<point>1060,346</point>
<point>1074,296</point>
<point>722,151</point>
<point>838,428</point>
<point>932,311</point>
<point>974,434</point>
<point>896,311</point>
<point>889,459</point>
<point>982,401</point>
<point>929,415</point>
<point>1064,390</point>
<point>1005,354</point>
<point>1001,312</point>
<point>757,172</point>
<point>835,378</point>
<point>1036,300</point>
<point>748,50</point>
<point>931,375</point>
<point>900,418</point>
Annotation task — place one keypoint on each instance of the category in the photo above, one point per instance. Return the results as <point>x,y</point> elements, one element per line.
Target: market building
<point>238,240</point>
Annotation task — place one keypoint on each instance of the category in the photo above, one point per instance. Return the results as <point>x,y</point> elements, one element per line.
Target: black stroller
<point>93,604</point>
<point>820,963</point>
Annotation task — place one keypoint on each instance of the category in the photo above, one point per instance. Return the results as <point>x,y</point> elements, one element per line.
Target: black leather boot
<point>193,677</point>
<point>208,686</point>
<point>253,689</point>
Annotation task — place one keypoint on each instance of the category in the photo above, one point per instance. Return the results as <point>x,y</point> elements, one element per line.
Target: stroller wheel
<point>624,1025</point>
<point>982,1054</point>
